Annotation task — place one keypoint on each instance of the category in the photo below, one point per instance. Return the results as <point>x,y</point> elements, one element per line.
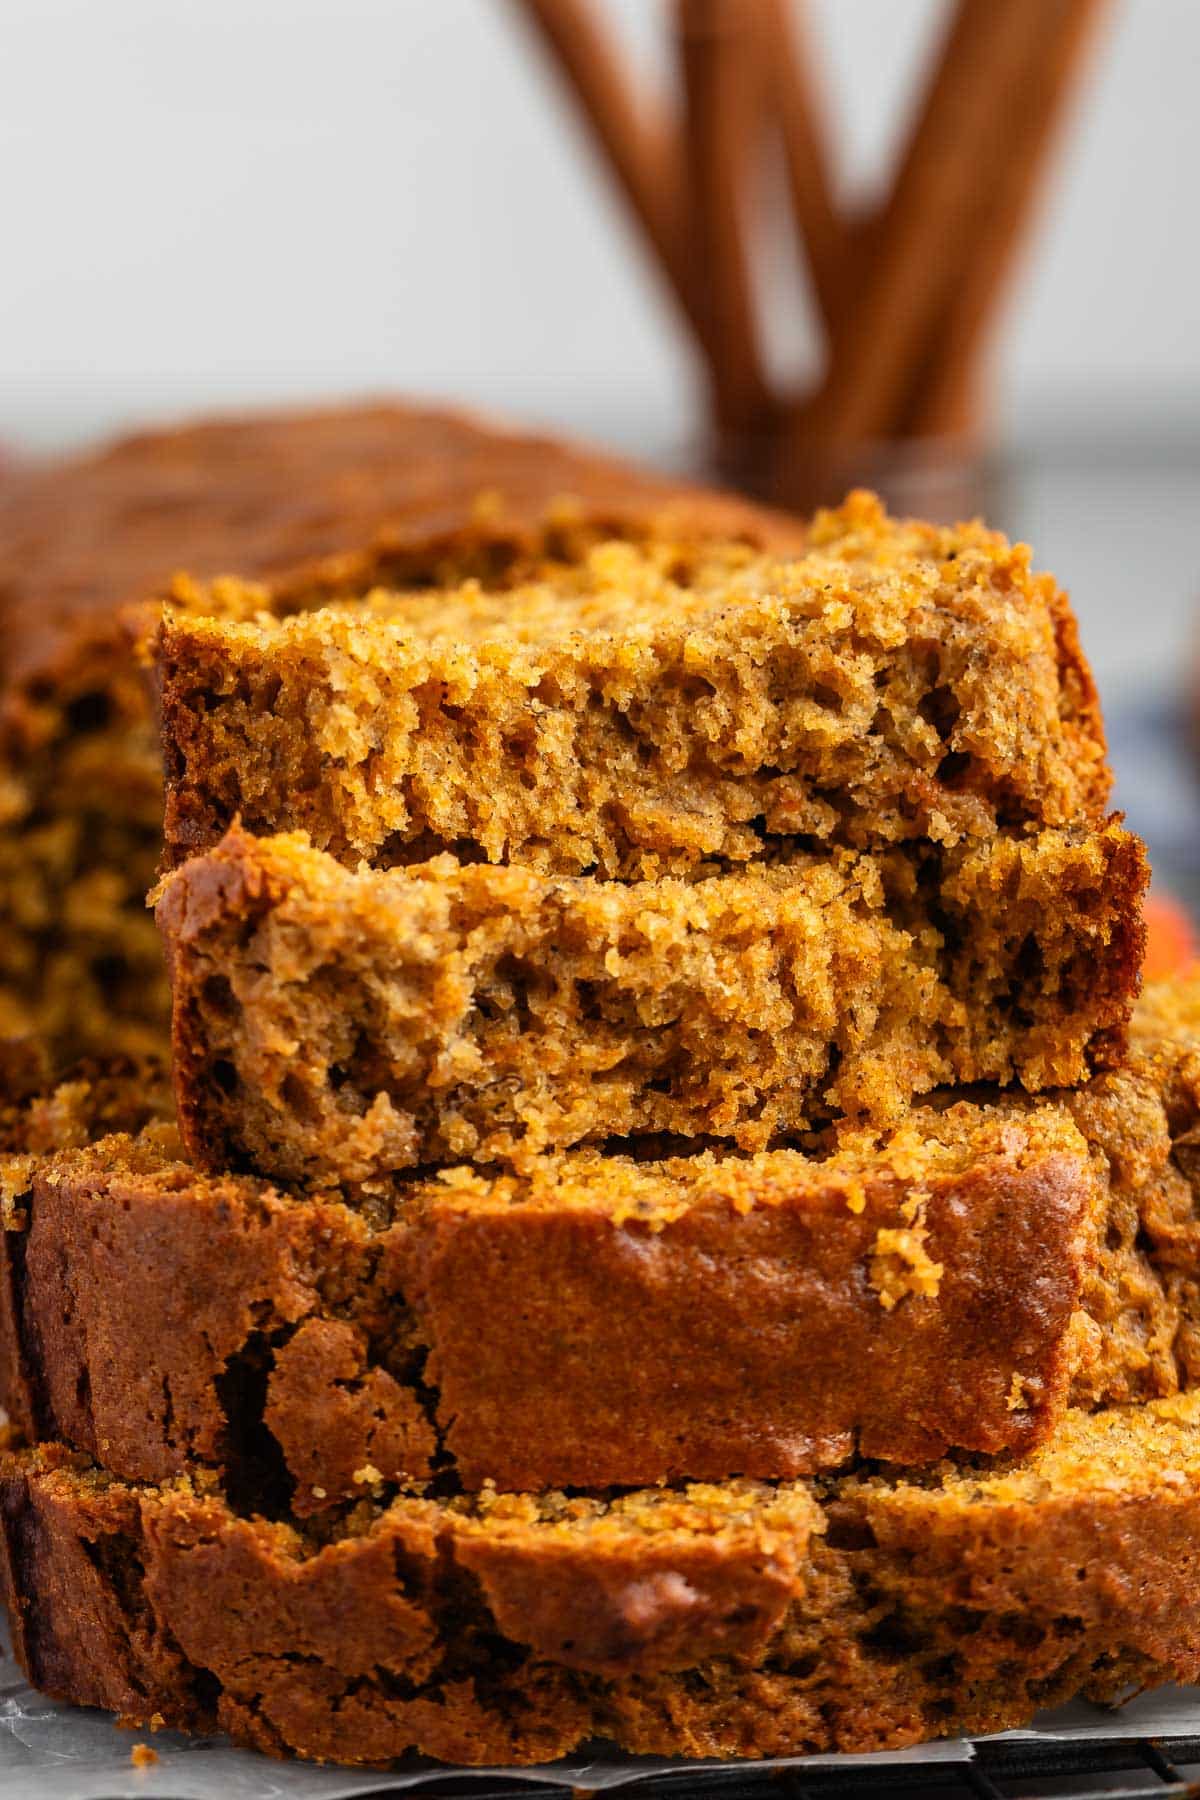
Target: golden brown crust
<point>890,1308</point>
<point>228,1277</point>
<point>648,708</point>
<point>38,1118</point>
<point>334,1026</point>
<point>738,1620</point>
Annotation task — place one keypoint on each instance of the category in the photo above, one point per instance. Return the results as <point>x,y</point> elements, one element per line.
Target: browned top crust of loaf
<point>855,1614</point>
<point>949,1284</point>
<point>334,1025</point>
<point>299,499</point>
<point>641,709</point>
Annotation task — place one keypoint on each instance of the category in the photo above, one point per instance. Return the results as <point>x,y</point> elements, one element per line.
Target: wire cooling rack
<point>1162,1769</point>
<point>1103,1771</point>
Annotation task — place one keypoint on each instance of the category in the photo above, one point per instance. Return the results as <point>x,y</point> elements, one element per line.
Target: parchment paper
<point>52,1752</point>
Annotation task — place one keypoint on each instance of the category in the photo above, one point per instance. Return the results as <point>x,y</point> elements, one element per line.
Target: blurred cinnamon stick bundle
<point>909,294</point>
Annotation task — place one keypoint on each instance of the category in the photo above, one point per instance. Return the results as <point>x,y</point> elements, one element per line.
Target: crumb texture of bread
<point>733,1619</point>
<point>946,1285</point>
<point>644,709</point>
<point>80,837</point>
<point>334,1025</point>
<point>360,494</point>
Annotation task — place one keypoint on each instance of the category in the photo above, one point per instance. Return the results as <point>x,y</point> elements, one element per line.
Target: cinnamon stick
<point>720,74</point>
<point>940,193</point>
<point>946,395</point>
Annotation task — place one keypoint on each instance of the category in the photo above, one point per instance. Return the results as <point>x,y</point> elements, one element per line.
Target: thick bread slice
<point>651,707</point>
<point>745,1620</point>
<point>334,1025</point>
<point>949,1284</point>
<point>599,1321</point>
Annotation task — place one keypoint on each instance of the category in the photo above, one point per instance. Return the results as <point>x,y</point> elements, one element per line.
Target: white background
<point>241,199</point>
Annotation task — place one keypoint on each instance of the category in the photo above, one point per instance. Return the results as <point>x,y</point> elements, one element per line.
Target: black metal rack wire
<point>1082,1769</point>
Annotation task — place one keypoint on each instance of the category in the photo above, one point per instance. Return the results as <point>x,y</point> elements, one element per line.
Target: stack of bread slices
<point>659,1227</point>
